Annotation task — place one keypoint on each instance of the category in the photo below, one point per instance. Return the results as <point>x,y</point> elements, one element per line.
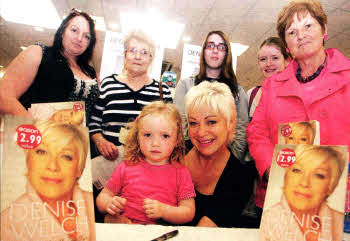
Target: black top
<point>230,196</point>
<point>54,81</point>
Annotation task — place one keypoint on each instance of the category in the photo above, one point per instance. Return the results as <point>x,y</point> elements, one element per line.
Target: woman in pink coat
<point>314,86</point>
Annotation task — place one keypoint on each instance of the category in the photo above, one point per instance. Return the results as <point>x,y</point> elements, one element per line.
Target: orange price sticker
<point>286,157</point>
<point>286,130</point>
<point>28,136</point>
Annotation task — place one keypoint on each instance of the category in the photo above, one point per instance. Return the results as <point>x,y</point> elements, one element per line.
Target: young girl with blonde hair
<point>151,186</point>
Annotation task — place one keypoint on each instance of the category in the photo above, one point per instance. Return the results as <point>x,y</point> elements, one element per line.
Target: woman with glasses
<point>216,65</point>
<point>57,73</point>
<point>123,96</point>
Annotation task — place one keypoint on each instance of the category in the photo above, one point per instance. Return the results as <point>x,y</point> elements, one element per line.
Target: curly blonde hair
<point>132,151</point>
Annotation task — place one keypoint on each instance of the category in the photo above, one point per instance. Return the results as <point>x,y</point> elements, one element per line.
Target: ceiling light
<point>23,47</point>
<point>166,33</point>
<point>26,12</point>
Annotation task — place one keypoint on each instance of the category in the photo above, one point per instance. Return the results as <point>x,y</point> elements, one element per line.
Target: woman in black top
<point>51,74</point>
<point>223,184</point>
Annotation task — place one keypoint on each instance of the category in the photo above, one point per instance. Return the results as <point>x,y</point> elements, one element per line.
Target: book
<point>305,195</point>
<point>46,184</point>
<point>72,112</point>
<point>304,132</point>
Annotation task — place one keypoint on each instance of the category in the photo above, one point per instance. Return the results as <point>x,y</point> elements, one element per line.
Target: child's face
<point>299,137</point>
<point>157,138</point>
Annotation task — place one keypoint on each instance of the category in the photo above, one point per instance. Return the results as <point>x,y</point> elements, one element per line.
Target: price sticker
<point>286,157</point>
<point>286,130</point>
<point>78,107</point>
<point>28,136</point>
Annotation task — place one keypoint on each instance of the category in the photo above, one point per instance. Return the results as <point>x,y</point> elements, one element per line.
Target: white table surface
<point>125,232</point>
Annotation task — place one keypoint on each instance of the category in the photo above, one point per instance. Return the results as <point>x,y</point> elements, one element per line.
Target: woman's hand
<point>153,208</point>
<point>107,149</point>
<point>115,205</point>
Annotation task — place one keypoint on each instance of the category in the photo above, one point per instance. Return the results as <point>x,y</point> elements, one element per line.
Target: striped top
<point>118,104</point>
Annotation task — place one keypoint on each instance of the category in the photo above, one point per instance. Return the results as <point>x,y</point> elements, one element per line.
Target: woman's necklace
<point>313,76</point>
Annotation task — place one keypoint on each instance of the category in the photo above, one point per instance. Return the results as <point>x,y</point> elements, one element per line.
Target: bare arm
<point>18,78</point>
<point>183,213</point>
<point>108,202</point>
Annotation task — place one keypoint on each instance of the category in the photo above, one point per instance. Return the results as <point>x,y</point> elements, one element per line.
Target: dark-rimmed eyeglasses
<point>143,52</point>
<point>211,45</point>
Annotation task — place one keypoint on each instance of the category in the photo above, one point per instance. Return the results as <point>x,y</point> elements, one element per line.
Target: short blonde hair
<point>74,133</point>
<point>132,151</point>
<point>216,96</point>
<point>332,154</point>
<point>141,36</point>
<point>302,8</point>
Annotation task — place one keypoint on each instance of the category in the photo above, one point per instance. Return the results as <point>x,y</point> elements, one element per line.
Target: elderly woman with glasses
<point>58,73</point>
<point>123,96</point>
<point>314,86</point>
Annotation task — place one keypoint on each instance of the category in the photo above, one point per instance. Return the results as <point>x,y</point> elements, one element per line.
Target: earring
<point>287,50</point>
<point>325,36</point>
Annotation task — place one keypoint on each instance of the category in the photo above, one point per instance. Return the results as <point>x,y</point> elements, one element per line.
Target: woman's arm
<point>18,78</point>
<point>108,202</point>
<point>180,92</point>
<point>183,213</point>
<point>239,145</point>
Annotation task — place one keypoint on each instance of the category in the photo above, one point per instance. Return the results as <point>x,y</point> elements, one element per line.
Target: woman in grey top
<point>216,65</point>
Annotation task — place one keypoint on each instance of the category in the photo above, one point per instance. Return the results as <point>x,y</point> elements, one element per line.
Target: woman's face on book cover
<point>53,166</point>
<point>306,183</point>
<point>300,135</point>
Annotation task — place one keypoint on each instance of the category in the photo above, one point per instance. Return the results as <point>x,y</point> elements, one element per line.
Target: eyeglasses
<point>80,12</point>
<point>143,52</point>
<point>211,45</point>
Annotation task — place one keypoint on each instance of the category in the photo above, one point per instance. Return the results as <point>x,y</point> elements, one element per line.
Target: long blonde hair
<point>132,149</point>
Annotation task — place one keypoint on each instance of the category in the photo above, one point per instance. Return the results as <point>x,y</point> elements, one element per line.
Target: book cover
<point>304,132</point>
<point>46,185</point>
<point>305,194</point>
<point>69,112</point>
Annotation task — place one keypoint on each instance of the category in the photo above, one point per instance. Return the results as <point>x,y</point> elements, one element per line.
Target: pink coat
<point>284,99</point>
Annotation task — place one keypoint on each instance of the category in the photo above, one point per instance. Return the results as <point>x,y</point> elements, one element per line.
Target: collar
<point>336,62</point>
<point>289,85</point>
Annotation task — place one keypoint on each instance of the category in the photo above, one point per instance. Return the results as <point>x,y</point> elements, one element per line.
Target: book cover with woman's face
<point>45,181</point>
<point>305,196</point>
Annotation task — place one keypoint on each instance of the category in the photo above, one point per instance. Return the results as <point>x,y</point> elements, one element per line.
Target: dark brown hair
<point>83,59</point>
<point>227,75</point>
